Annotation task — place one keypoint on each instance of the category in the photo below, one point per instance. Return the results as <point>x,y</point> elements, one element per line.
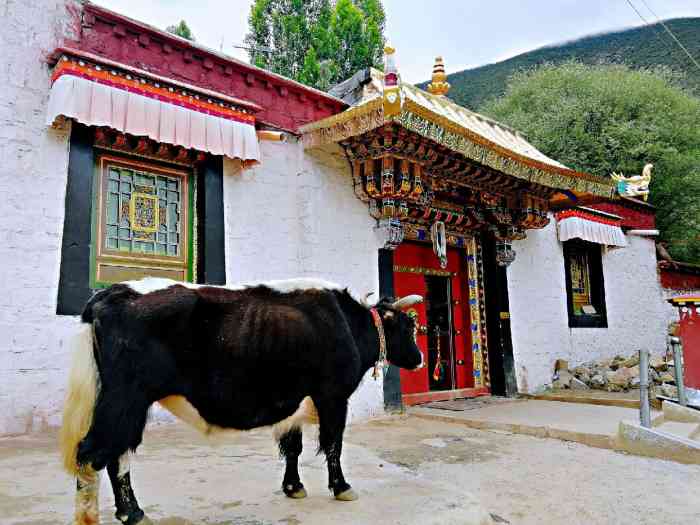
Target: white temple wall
<point>33,175</point>
<point>295,215</point>
<point>637,315</point>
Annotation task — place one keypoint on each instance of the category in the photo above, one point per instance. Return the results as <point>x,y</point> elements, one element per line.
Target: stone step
<point>677,428</point>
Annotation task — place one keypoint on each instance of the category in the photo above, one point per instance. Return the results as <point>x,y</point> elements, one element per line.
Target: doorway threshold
<point>443,395</point>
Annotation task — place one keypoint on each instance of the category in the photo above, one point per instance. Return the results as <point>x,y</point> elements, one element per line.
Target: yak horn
<point>407,301</point>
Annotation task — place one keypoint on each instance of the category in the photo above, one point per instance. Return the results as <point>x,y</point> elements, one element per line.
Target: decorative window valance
<point>100,96</point>
<point>591,226</point>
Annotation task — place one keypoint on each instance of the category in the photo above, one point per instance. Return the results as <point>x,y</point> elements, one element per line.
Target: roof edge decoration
<point>106,95</point>
<point>98,9</point>
<point>282,103</point>
<point>590,225</point>
<point>474,136</point>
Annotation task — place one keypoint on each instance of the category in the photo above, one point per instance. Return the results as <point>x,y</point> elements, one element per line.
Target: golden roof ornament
<point>635,186</point>
<point>392,84</point>
<point>439,85</point>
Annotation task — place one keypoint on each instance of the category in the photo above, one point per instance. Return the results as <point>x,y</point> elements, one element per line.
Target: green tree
<point>317,42</point>
<point>601,119</point>
<point>182,30</point>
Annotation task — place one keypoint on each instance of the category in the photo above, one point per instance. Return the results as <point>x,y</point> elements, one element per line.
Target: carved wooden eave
<point>436,161</point>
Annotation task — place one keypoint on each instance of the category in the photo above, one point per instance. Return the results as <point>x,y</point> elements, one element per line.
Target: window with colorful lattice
<point>143,222</point>
<point>584,284</point>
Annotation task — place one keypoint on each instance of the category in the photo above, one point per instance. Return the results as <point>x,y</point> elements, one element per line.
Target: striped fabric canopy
<point>95,96</point>
<point>591,226</point>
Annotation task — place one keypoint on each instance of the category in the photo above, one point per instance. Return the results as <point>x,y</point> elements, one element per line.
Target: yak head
<point>399,330</point>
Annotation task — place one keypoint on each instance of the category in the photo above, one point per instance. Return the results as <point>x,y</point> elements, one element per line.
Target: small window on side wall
<point>585,289</point>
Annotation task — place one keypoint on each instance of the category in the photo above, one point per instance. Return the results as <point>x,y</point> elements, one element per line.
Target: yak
<point>281,354</point>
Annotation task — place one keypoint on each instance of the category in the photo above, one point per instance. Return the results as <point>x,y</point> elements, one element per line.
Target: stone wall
<point>295,215</point>
<point>33,171</point>
<point>637,314</point>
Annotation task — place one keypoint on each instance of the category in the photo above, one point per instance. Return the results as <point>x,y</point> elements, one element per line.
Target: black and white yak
<point>278,354</point>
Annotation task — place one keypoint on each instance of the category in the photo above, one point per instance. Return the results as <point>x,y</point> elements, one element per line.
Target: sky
<point>466,33</point>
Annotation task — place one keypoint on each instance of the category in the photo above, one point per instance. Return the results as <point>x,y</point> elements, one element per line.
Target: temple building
<point>131,152</point>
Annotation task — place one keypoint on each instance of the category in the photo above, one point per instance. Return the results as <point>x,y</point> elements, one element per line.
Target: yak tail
<point>80,399</point>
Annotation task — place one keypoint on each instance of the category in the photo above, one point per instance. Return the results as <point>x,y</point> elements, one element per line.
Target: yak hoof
<point>347,495</point>
<point>298,494</point>
<point>294,490</point>
<point>138,518</point>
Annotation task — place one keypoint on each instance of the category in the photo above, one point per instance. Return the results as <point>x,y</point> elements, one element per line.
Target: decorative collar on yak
<point>404,302</point>
<point>381,361</point>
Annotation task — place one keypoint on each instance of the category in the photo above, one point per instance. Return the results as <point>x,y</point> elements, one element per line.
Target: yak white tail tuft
<point>80,398</point>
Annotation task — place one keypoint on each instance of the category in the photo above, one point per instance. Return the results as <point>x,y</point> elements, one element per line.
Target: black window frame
<point>597,283</point>
<point>74,288</point>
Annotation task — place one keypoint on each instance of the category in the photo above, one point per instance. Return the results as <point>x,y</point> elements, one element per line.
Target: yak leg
<point>128,510</point>
<point>87,506</point>
<point>332,415</point>
<point>290,448</point>
<point>117,426</point>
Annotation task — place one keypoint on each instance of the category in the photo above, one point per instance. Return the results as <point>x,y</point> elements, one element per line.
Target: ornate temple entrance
<point>445,183</point>
<point>443,320</point>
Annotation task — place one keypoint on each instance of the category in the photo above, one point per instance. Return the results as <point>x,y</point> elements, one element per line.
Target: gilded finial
<point>392,84</point>
<point>439,85</point>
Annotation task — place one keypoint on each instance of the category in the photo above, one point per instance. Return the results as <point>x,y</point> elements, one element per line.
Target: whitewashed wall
<point>32,191</point>
<point>637,315</point>
<point>296,215</point>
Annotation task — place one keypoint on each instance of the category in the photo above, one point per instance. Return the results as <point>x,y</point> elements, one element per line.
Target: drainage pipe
<point>644,409</point>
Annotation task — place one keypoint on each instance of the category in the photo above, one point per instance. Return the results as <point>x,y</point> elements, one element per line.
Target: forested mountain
<point>642,47</point>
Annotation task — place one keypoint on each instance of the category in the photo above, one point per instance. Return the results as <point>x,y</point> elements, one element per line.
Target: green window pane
<point>112,231</point>
<point>113,186</point>
<point>113,174</point>
<point>124,245</point>
<point>112,244</point>
<point>112,208</point>
<point>144,180</point>
<point>173,216</point>
<point>172,250</point>
<point>124,233</point>
<point>161,249</point>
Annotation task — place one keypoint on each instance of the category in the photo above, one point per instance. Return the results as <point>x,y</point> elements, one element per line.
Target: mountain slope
<point>643,47</point>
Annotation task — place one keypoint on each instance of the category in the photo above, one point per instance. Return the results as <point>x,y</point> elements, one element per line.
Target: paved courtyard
<point>407,470</point>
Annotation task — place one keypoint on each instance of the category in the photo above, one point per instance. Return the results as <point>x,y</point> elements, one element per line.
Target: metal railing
<point>644,402</point>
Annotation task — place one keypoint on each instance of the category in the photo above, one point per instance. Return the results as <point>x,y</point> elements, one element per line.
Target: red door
<point>444,336</point>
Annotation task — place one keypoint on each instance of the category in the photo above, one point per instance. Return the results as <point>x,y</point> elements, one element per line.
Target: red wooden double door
<point>443,333</point>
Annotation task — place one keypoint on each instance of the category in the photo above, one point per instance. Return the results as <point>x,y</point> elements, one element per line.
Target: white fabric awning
<point>96,97</point>
<point>577,224</point>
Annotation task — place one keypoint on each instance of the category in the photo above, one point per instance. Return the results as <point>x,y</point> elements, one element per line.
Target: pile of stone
<point>614,375</point>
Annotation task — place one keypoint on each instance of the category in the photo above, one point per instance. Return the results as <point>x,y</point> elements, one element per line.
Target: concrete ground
<point>407,470</point>
<point>593,425</point>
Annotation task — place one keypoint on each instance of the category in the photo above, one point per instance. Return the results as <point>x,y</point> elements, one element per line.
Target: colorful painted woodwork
<point>405,177</point>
